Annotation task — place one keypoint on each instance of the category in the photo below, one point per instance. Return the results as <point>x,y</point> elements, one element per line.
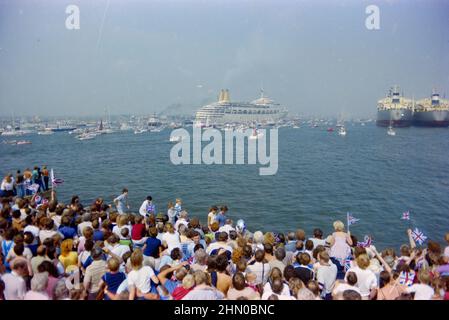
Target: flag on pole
<point>33,188</point>
<point>366,243</point>
<point>55,181</point>
<point>406,215</point>
<point>418,236</point>
<point>351,220</point>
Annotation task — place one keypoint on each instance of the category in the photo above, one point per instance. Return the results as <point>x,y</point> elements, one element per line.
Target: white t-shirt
<point>342,287</point>
<point>226,228</point>
<point>141,278</point>
<point>422,291</point>
<point>82,225</point>
<point>366,280</point>
<point>118,231</point>
<point>268,290</point>
<point>317,242</point>
<point>179,222</point>
<point>120,250</point>
<point>33,229</point>
<point>218,245</point>
<point>44,234</point>
<point>172,240</point>
<point>326,275</point>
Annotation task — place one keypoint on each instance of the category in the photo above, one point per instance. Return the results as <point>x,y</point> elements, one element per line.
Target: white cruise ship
<point>224,111</point>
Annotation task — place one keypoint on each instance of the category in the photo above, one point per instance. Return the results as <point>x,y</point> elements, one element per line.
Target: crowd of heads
<point>54,250</point>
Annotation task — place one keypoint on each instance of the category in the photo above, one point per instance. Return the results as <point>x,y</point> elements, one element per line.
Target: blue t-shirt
<point>221,218</point>
<point>98,235</point>
<point>68,232</point>
<point>152,248</point>
<point>171,285</point>
<point>113,280</point>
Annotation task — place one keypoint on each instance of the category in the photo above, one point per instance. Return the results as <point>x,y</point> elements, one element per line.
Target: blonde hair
<point>122,220</point>
<point>188,281</point>
<point>363,261</point>
<point>169,228</point>
<point>113,264</point>
<point>339,226</point>
<point>136,259</point>
<point>66,247</point>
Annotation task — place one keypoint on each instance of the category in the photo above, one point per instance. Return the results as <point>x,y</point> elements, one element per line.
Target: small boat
<point>9,141</point>
<point>23,142</point>
<point>256,135</point>
<point>159,129</point>
<point>175,138</point>
<point>295,127</point>
<point>330,129</point>
<point>342,131</point>
<point>86,136</point>
<point>391,131</point>
<point>139,131</point>
<point>45,132</point>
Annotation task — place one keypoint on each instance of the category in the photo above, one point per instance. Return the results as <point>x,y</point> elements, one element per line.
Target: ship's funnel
<point>435,98</point>
<point>221,96</point>
<point>226,96</point>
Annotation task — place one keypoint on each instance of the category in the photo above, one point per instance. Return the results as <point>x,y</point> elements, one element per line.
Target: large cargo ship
<point>394,110</point>
<point>224,111</point>
<point>431,112</point>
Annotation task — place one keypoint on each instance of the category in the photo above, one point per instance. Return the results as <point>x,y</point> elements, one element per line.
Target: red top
<point>138,231</point>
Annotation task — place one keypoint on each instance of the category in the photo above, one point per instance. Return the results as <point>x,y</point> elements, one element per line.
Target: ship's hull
<point>434,118</point>
<point>394,117</point>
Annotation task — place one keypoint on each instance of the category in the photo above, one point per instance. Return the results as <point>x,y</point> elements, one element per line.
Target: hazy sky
<point>314,57</point>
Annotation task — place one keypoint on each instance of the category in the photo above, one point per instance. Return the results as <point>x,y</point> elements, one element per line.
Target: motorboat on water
<point>342,131</point>
<point>256,135</point>
<point>176,138</point>
<point>23,142</point>
<point>391,131</point>
<point>86,136</point>
<point>45,132</point>
<point>139,131</point>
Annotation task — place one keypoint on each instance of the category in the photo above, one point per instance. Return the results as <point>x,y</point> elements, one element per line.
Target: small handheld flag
<point>366,243</point>
<point>418,236</point>
<point>351,220</point>
<point>406,215</point>
<point>55,181</point>
<point>33,188</point>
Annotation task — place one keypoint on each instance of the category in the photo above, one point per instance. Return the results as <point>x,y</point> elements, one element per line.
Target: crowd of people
<point>25,183</point>
<point>57,251</point>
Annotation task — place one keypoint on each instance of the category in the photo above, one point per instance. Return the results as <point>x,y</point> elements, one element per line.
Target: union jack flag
<point>55,181</point>
<point>418,236</point>
<point>351,220</point>
<point>366,243</point>
<point>406,215</point>
<point>33,187</point>
<point>347,263</point>
<point>40,201</point>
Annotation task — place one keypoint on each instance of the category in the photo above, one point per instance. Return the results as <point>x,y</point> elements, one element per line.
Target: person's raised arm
<point>410,238</point>
<point>162,276</point>
<point>113,255</point>
<point>382,261</point>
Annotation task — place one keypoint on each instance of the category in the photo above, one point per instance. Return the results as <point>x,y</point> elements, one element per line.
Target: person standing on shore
<point>121,202</point>
<point>45,176</point>
<point>19,184</point>
<point>221,216</point>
